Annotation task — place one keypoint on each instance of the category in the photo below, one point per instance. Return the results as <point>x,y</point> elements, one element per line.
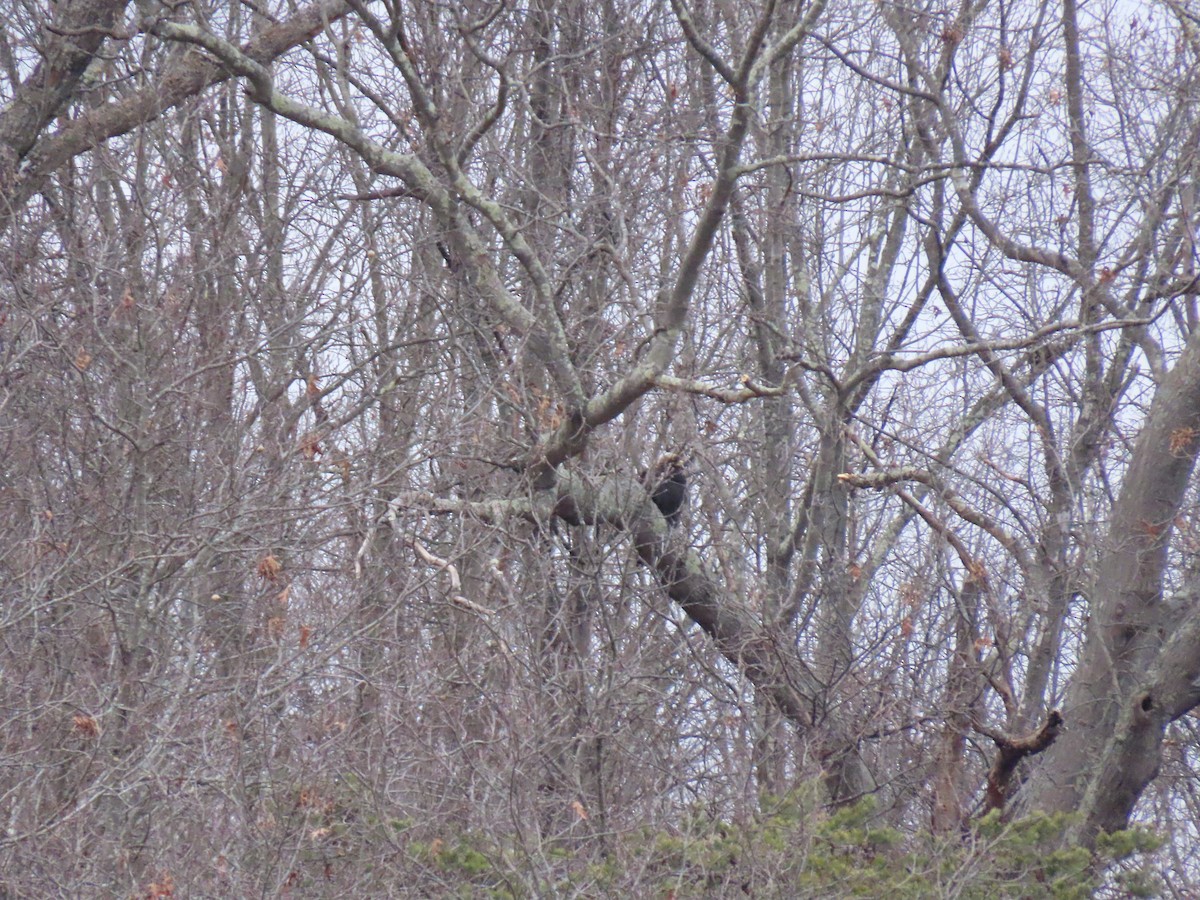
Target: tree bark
<point>1122,696</point>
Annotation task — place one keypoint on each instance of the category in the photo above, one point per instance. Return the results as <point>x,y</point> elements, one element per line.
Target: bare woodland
<point>341,344</point>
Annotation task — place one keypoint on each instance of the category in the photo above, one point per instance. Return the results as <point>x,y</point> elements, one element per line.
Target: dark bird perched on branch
<point>669,491</point>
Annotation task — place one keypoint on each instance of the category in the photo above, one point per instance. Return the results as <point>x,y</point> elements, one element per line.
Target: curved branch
<point>78,32</point>
<point>179,80</point>
<point>771,665</point>
<point>1012,751</point>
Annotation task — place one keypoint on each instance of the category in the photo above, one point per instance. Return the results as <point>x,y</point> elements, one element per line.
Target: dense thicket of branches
<point>336,341</point>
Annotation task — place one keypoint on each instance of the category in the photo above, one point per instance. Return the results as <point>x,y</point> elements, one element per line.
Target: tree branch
<point>1012,751</point>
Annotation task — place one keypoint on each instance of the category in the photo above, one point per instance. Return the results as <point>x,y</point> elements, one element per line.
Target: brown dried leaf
<point>1181,441</point>
<point>269,567</point>
<point>88,726</point>
<point>310,446</point>
<point>162,886</point>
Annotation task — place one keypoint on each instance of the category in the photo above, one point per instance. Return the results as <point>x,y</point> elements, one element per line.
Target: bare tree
<point>345,349</point>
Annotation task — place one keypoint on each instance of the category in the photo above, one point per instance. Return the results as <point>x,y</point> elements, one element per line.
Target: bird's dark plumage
<point>670,492</point>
